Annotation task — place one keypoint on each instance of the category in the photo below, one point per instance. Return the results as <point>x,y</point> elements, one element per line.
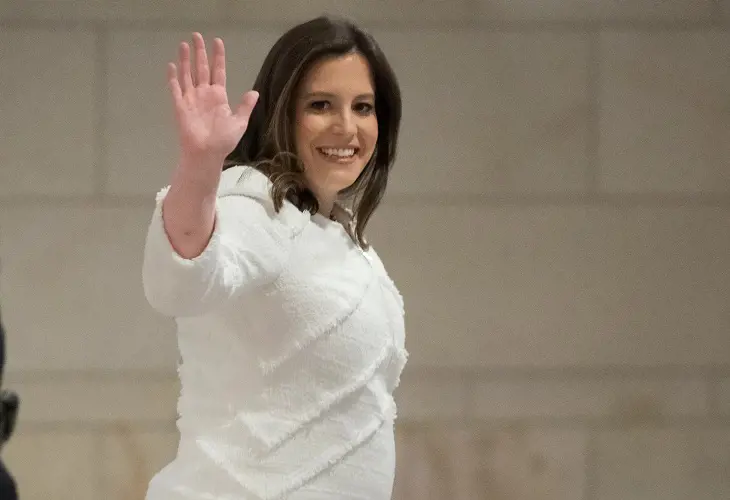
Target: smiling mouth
<point>338,154</point>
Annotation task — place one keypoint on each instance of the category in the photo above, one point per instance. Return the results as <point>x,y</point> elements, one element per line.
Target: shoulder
<point>375,260</point>
<point>243,180</point>
<point>243,184</point>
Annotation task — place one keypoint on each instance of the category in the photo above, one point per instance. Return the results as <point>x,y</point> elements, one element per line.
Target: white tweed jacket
<point>292,342</point>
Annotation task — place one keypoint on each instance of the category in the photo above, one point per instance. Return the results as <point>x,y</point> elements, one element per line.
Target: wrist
<point>198,173</point>
<point>202,161</point>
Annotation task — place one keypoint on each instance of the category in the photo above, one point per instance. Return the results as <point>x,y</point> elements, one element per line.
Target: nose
<point>345,123</point>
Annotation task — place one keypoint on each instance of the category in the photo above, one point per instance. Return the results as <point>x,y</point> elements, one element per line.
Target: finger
<point>245,108</point>
<point>218,75</point>
<point>173,83</point>
<point>185,78</point>
<point>202,72</point>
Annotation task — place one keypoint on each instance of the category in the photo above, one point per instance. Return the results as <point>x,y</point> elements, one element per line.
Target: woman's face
<point>336,125</point>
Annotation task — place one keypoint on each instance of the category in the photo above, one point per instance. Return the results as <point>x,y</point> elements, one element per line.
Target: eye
<point>364,108</point>
<point>319,105</point>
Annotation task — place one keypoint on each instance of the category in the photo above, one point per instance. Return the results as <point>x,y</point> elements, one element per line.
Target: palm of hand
<point>206,120</point>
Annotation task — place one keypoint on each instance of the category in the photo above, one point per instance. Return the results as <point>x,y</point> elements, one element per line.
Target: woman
<point>290,331</point>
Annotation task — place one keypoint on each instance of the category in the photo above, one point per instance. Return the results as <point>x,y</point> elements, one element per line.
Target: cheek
<point>306,131</point>
<point>311,126</point>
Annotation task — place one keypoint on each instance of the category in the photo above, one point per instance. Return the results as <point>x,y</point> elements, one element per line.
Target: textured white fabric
<point>292,342</point>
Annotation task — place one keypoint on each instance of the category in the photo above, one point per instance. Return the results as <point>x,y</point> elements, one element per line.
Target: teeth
<point>344,153</point>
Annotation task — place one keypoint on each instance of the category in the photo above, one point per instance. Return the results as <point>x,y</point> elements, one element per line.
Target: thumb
<point>245,108</point>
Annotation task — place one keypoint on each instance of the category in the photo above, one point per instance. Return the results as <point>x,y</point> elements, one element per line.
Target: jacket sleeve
<point>248,247</point>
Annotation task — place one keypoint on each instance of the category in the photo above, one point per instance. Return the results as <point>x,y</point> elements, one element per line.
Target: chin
<point>340,177</point>
<point>341,184</point>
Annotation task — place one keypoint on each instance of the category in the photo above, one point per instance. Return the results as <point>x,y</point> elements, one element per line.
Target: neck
<point>326,209</point>
<point>326,204</point>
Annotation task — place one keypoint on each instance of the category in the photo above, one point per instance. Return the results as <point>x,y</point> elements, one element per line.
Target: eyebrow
<point>329,95</point>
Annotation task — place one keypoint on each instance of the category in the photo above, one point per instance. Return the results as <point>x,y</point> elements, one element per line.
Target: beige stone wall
<point>558,222</point>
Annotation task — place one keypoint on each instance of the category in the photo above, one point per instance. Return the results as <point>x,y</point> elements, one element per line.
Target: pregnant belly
<point>366,473</point>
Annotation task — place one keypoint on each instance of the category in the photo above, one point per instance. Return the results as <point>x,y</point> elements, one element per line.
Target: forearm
<point>189,207</point>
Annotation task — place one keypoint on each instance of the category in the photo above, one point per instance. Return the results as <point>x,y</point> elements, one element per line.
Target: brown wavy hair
<point>269,141</point>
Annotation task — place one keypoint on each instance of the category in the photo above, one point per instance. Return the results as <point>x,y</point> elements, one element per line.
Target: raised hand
<point>207,126</point>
